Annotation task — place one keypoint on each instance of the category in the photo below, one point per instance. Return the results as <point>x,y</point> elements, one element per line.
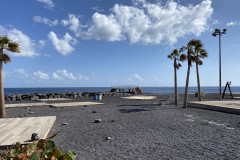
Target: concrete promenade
<point>230,106</point>
<point>14,130</point>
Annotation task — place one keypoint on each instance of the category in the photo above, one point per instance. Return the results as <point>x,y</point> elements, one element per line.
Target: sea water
<point>146,90</point>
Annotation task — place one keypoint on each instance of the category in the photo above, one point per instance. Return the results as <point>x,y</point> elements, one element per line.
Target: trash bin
<point>95,97</point>
<point>201,93</point>
<point>100,97</point>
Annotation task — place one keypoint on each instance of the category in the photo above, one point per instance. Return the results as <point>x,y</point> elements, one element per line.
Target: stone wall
<point>36,96</point>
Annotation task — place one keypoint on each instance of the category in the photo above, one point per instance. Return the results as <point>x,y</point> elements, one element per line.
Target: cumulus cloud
<point>63,74</point>
<point>233,23</point>
<point>41,76</point>
<point>48,3</point>
<point>65,45</point>
<point>26,44</point>
<point>22,72</point>
<point>45,20</point>
<point>145,22</point>
<point>135,77</point>
<point>103,28</point>
<point>73,23</point>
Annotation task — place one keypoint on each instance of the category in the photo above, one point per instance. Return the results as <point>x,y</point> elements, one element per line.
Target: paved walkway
<point>140,97</point>
<point>223,106</point>
<point>53,99</point>
<point>42,104</point>
<point>26,105</point>
<point>14,130</point>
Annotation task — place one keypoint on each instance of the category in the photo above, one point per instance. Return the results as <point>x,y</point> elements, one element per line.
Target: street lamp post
<point>218,32</point>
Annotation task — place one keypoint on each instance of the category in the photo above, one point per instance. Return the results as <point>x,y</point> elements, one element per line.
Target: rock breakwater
<point>36,96</point>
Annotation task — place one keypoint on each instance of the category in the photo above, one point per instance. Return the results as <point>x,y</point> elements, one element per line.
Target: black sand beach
<point>142,129</point>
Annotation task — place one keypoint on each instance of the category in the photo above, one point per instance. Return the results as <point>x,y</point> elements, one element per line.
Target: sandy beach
<point>142,129</point>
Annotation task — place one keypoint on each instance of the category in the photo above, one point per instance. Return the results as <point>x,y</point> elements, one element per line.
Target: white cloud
<point>45,20</point>
<point>73,23</point>
<point>81,77</point>
<point>63,74</point>
<point>98,9</point>
<point>56,76</point>
<point>135,77</point>
<point>65,45</point>
<point>42,43</point>
<point>41,76</point>
<point>103,28</point>
<point>233,23</point>
<point>215,22</point>
<point>26,44</point>
<point>48,3</point>
<point>146,23</point>
<point>22,72</point>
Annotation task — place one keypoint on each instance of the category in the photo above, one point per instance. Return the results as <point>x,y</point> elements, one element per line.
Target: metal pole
<point>220,86</point>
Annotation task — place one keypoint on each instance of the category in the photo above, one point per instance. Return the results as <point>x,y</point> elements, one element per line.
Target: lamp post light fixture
<point>214,34</point>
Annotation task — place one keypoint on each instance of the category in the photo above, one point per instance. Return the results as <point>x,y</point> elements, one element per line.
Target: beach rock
<point>98,120</point>
<point>79,94</point>
<point>52,106</point>
<point>34,137</point>
<point>19,97</point>
<point>34,98</point>
<point>94,112</point>
<point>109,138</point>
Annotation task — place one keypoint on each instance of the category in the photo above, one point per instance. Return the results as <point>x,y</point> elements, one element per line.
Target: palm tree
<point>199,53</point>
<point>175,55</point>
<point>190,59</point>
<point>5,43</point>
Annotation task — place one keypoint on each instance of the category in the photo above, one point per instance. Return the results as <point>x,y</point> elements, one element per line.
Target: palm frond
<point>5,58</point>
<point>179,65</point>
<point>14,47</point>
<point>183,57</point>
<point>4,40</point>
<point>204,53</point>
<point>200,62</point>
<point>175,53</point>
<point>191,43</point>
<point>192,58</point>
<point>169,56</point>
<point>198,44</point>
<point>182,49</point>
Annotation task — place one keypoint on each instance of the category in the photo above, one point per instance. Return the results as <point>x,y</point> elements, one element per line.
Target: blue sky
<point>72,43</point>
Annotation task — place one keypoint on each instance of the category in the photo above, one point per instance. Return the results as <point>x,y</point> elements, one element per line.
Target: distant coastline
<point>146,90</point>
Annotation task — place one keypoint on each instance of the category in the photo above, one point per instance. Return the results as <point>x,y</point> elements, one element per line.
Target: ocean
<point>146,90</point>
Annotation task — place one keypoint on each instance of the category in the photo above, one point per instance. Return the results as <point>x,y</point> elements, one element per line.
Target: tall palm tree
<point>190,59</point>
<point>199,53</point>
<point>5,43</point>
<point>175,55</point>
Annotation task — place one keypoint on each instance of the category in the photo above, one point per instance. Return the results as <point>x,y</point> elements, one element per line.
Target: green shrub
<point>44,149</point>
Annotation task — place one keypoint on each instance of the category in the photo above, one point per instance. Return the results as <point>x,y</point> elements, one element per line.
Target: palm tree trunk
<point>198,81</point>
<point>2,103</point>
<point>186,88</point>
<point>175,80</point>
